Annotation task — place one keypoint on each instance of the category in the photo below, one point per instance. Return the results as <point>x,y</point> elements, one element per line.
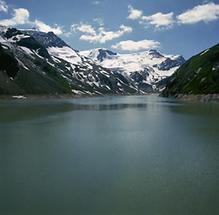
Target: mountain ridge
<point>52,67</point>
<point>145,68</point>
<point>199,75</point>
<point>42,63</point>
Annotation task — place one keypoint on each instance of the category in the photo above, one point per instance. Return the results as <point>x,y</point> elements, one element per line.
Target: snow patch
<point>28,51</point>
<point>65,53</point>
<point>18,37</point>
<point>19,97</point>
<point>204,52</point>
<point>141,62</point>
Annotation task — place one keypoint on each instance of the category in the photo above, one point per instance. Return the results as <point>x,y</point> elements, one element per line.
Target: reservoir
<point>130,155</point>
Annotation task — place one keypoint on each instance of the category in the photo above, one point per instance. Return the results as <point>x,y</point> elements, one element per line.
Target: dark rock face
<point>155,54</point>
<point>145,87</point>
<point>163,83</point>
<point>27,41</point>
<point>8,63</point>
<point>103,54</point>
<point>31,43</point>
<point>139,76</point>
<point>47,39</point>
<point>169,63</point>
<point>12,32</point>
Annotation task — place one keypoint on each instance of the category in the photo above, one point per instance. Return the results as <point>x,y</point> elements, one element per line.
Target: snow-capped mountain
<point>33,62</point>
<point>99,55</point>
<point>146,70</point>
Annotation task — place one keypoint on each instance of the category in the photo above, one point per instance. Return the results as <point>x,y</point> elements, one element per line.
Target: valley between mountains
<point>34,62</point>
<point>38,63</point>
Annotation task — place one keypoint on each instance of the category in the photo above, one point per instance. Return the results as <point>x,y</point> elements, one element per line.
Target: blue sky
<point>171,26</point>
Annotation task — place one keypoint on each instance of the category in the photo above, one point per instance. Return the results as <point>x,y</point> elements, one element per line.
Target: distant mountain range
<point>199,75</point>
<point>33,62</point>
<point>148,71</point>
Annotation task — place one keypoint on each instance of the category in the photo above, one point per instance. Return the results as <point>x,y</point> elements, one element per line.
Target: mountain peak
<point>105,54</point>
<point>99,54</point>
<point>154,53</point>
<point>34,62</point>
<point>46,39</point>
<point>143,68</point>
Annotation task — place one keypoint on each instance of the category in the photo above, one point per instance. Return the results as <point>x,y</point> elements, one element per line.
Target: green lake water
<point>131,155</point>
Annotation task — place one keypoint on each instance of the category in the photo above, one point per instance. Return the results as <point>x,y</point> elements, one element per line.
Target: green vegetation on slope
<point>8,63</point>
<point>199,75</point>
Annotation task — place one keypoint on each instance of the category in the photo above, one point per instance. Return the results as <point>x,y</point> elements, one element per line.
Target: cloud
<point>20,17</point>
<point>99,35</point>
<point>133,46</point>
<point>41,26</point>
<point>201,13</point>
<point>134,13</point>
<point>159,20</point>
<point>3,6</point>
<point>83,28</point>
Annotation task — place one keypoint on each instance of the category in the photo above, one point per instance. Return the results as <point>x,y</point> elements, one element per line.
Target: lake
<point>131,155</point>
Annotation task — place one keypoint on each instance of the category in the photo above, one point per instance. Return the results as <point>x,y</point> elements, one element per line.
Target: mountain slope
<point>144,69</point>
<point>199,75</point>
<point>33,62</point>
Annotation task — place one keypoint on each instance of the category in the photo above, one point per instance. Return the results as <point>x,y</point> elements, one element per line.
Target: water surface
<point>133,155</point>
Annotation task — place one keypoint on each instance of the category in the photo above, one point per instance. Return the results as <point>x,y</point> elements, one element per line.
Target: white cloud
<point>159,20</point>
<point>20,17</point>
<point>3,6</point>
<point>201,13</point>
<point>84,28</point>
<point>47,28</point>
<point>130,45</point>
<point>99,35</point>
<point>134,13</point>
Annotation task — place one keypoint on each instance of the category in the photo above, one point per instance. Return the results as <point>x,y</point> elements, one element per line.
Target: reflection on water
<point>13,111</point>
<point>109,155</point>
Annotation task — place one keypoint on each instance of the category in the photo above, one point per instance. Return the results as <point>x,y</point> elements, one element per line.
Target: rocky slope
<point>148,70</point>
<point>33,62</point>
<point>199,75</point>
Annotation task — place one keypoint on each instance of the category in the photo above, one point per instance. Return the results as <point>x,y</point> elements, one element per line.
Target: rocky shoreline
<point>199,97</point>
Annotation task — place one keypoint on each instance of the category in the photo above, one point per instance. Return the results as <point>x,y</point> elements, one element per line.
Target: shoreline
<point>204,98</point>
<point>61,96</point>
